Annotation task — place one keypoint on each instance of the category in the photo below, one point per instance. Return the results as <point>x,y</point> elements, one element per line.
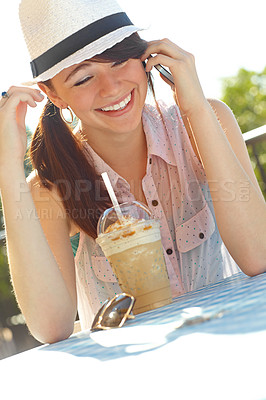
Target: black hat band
<point>77,41</point>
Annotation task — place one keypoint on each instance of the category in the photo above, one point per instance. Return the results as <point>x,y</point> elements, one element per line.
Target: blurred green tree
<point>245,94</point>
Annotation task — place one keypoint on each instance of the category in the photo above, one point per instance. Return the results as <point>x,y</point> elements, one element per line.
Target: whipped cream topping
<point>135,232</point>
<point>126,222</point>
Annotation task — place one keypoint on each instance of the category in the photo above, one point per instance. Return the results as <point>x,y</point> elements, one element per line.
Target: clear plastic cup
<point>134,250</point>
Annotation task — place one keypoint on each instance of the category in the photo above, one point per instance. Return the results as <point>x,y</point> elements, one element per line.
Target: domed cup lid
<point>135,210</point>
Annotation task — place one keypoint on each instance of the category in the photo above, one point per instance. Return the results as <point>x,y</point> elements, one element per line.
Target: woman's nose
<point>110,84</point>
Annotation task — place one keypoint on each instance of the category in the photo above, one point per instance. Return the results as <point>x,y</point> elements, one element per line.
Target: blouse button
<point>154,203</point>
<point>169,251</point>
<point>201,235</point>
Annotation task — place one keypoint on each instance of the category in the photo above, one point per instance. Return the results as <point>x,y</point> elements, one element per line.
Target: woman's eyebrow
<point>78,68</point>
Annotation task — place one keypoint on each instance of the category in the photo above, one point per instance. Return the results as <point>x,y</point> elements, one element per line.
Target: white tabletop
<point>149,358</point>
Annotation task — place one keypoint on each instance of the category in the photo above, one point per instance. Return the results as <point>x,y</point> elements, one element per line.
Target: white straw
<point>112,195</point>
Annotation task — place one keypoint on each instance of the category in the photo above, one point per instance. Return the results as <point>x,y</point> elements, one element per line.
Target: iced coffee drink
<point>132,245</point>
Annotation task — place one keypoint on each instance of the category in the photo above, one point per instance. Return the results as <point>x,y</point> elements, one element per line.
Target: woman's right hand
<point>13,138</point>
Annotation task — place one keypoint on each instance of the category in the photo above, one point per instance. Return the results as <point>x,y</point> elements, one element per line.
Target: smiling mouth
<point>119,106</point>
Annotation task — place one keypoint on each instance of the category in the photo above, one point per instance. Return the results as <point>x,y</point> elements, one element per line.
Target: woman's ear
<point>50,92</point>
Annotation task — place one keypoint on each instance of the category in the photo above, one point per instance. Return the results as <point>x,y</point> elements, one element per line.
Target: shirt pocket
<point>102,269</point>
<point>195,231</point>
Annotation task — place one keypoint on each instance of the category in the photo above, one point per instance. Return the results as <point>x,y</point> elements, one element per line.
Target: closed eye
<point>87,78</point>
<point>83,81</point>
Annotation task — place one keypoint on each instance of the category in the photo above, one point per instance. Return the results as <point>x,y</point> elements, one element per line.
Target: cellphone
<point>165,73</point>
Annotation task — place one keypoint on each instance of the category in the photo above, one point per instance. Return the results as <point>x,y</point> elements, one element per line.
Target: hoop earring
<point>71,116</point>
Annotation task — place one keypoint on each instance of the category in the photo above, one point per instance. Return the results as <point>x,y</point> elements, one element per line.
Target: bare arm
<point>42,268</point>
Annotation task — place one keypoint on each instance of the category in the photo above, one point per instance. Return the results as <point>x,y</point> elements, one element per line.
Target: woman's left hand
<point>188,90</point>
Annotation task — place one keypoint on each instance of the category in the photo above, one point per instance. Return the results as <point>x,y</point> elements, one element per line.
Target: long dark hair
<point>61,159</point>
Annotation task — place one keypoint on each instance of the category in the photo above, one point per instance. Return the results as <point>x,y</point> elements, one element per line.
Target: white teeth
<point>118,106</point>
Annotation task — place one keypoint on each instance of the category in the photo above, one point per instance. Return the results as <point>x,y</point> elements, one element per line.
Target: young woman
<point>187,162</point>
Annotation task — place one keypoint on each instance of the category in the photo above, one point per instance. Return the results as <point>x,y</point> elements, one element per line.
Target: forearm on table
<point>39,286</point>
<point>239,208</point>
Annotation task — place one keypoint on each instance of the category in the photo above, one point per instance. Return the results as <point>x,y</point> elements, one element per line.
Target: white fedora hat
<point>61,33</point>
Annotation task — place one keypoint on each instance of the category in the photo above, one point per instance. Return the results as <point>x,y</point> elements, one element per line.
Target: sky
<point>223,36</point>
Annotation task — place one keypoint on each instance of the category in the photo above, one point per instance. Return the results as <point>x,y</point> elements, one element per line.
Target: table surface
<point>151,357</point>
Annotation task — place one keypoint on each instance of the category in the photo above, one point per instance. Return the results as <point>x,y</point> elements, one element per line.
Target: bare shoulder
<point>228,122</point>
<point>48,203</point>
<point>223,112</point>
<point>39,191</point>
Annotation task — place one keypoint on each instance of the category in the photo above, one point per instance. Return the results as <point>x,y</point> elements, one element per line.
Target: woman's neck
<point>125,153</point>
